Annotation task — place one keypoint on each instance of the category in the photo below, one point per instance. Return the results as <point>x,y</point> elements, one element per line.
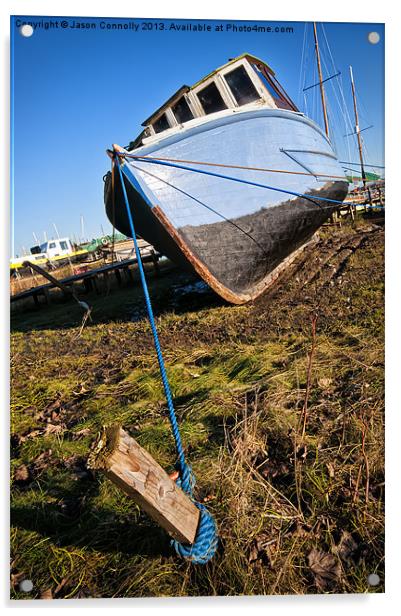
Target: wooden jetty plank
<point>57,283</point>
<point>132,468</point>
<point>88,277</point>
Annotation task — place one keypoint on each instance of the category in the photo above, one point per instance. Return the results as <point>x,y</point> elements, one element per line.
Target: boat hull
<point>236,235</point>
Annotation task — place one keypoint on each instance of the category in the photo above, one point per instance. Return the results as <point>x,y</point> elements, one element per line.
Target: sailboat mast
<point>319,68</point>
<point>357,129</point>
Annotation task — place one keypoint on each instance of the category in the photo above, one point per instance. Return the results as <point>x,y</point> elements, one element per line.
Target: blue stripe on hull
<point>264,226</point>
<point>252,139</point>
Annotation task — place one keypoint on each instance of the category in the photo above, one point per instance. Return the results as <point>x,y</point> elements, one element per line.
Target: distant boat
<point>237,122</point>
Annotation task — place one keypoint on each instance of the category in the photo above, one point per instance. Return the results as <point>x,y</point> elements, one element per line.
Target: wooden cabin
<point>242,83</point>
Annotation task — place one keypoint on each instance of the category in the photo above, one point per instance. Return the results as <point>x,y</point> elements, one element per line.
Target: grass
<point>239,378</point>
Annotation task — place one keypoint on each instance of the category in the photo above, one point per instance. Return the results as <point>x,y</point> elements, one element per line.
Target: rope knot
<point>206,540</point>
<point>186,479</point>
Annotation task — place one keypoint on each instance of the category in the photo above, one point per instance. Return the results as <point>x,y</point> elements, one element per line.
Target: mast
<point>357,129</point>
<point>319,68</point>
<point>82,229</point>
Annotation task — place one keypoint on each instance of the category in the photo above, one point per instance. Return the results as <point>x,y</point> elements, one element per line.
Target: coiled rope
<point>206,540</point>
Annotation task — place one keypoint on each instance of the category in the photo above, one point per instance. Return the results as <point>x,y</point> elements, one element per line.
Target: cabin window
<point>211,99</point>
<point>63,245</point>
<point>241,86</point>
<point>161,124</point>
<point>182,111</point>
<point>52,245</point>
<point>272,88</point>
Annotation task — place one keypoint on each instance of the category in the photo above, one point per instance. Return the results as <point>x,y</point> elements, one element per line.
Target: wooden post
<point>95,283</point>
<point>127,275</point>
<point>155,260</point>
<point>125,463</point>
<point>106,282</point>
<point>46,293</point>
<point>88,285</point>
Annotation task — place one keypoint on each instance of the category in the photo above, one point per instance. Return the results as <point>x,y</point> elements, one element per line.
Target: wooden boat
<point>196,179</point>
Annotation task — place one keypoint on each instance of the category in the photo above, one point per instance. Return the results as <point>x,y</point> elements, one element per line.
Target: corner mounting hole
<point>373,37</point>
<point>26,586</point>
<point>26,30</point>
<point>373,579</point>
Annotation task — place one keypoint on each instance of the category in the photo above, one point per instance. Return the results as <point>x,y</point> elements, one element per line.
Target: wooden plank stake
<point>132,468</point>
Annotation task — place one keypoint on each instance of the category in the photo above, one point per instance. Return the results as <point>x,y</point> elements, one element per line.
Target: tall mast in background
<point>319,68</point>
<point>82,229</point>
<point>357,129</point>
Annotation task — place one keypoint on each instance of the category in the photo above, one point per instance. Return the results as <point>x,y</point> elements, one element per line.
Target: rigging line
<point>227,166</point>
<point>354,170</point>
<point>363,111</point>
<point>333,66</point>
<point>335,114</point>
<point>240,181</point>
<point>203,204</point>
<point>306,105</point>
<point>313,101</point>
<point>302,67</point>
<point>332,113</point>
<point>323,80</point>
<point>345,115</point>
<point>339,82</point>
<point>347,162</point>
<point>345,106</point>
<point>360,130</point>
<point>367,150</point>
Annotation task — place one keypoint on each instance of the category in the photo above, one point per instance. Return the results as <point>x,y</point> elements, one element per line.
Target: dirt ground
<point>280,404</point>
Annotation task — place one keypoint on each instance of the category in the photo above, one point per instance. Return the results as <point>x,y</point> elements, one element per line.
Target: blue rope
<point>156,161</point>
<point>206,540</point>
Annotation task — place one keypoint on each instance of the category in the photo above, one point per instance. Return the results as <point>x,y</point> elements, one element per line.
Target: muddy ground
<point>280,405</point>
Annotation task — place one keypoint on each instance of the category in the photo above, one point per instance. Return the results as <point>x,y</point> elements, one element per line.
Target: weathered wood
<point>57,283</point>
<point>155,259</point>
<point>88,284</point>
<point>47,295</point>
<point>125,463</point>
<point>95,284</point>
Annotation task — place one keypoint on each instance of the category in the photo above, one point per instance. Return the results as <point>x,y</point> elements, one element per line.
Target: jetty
<point>87,280</point>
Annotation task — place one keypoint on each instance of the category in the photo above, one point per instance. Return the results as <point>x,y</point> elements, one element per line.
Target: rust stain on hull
<point>237,272</point>
<point>216,285</point>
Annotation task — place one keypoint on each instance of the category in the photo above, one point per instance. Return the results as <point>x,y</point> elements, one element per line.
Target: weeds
<point>281,418</point>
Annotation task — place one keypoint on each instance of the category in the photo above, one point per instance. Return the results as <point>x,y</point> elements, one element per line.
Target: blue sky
<point>76,91</point>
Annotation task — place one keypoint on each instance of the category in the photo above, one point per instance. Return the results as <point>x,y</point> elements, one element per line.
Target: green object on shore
<point>102,241</point>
